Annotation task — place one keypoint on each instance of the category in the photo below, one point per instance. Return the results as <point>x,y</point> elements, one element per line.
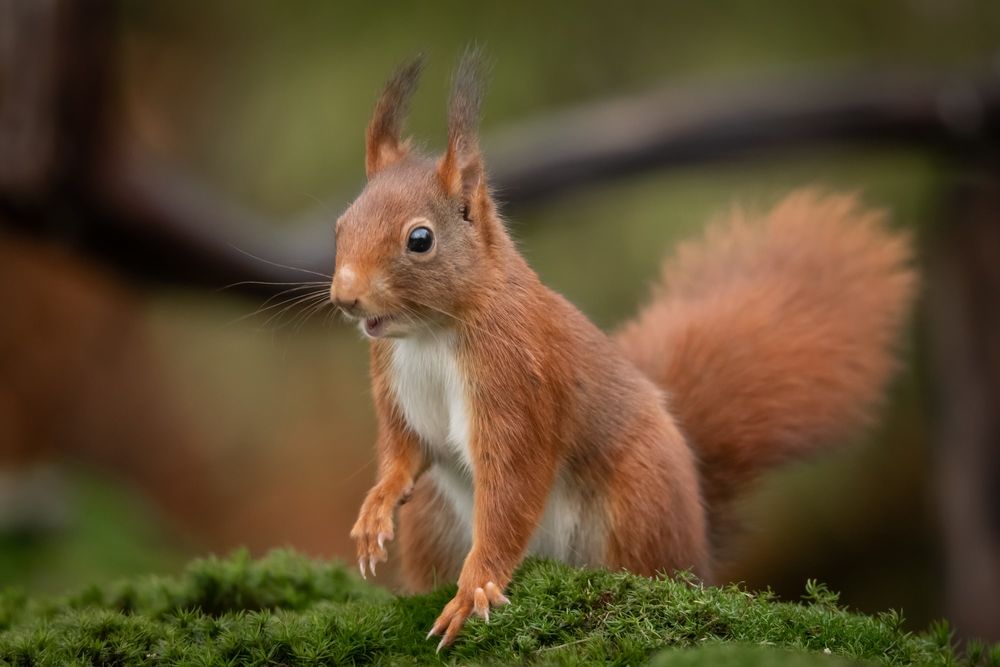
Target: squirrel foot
<point>465,603</point>
<point>371,533</point>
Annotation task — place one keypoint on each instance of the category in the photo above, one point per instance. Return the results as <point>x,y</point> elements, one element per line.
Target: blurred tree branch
<point>65,174</point>
<point>566,151</point>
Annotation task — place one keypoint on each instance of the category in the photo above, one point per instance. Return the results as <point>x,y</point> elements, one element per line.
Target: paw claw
<point>481,604</point>
<point>372,531</point>
<point>495,595</point>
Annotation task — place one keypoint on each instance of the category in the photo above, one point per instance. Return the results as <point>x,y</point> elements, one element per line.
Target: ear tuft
<point>461,168</point>
<point>383,143</point>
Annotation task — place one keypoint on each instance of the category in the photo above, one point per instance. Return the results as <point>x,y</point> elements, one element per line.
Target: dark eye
<point>421,239</point>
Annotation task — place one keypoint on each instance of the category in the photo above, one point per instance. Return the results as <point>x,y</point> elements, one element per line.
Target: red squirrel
<point>509,424</point>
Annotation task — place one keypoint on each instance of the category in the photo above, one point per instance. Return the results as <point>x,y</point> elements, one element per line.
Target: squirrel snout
<point>345,290</point>
<point>347,306</point>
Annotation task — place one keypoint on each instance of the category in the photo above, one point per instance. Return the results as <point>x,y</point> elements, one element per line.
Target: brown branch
<point>674,128</point>
<point>65,177</point>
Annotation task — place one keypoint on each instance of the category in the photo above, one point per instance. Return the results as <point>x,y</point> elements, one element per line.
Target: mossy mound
<point>286,609</point>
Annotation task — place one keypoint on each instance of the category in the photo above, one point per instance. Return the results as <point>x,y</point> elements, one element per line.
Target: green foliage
<point>286,609</point>
<point>819,594</point>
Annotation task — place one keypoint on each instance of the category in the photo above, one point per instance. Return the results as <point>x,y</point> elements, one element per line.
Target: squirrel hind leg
<point>432,541</point>
<point>657,518</point>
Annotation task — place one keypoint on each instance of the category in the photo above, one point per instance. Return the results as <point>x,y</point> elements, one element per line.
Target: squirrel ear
<point>383,144</point>
<point>461,169</point>
<point>462,175</point>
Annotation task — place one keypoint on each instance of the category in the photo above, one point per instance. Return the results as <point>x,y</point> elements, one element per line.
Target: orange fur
<point>775,337</point>
<point>383,145</point>
<point>518,425</point>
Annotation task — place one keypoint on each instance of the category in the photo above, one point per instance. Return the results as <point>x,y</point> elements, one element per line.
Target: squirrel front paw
<point>371,532</point>
<point>476,601</point>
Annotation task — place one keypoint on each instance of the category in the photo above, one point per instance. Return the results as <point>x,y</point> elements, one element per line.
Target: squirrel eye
<point>465,212</point>
<point>421,239</point>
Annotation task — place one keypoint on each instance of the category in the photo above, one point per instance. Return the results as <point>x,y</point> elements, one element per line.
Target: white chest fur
<point>431,393</point>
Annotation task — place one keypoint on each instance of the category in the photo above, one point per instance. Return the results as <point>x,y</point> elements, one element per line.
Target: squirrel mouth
<point>375,327</point>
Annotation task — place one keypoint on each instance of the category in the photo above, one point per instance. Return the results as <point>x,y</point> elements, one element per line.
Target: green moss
<point>286,609</point>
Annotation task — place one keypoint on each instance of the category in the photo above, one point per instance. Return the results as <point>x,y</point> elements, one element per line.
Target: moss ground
<point>287,609</point>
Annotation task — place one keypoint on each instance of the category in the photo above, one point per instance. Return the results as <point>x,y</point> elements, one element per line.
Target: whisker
<point>294,289</point>
<point>305,306</point>
<point>269,283</point>
<point>310,311</point>
<point>462,321</point>
<point>413,316</point>
<point>325,205</point>
<point>279,265</point>
<point>330,318</point>
<point>359,470</point>
<point>264,307</point>
<point>300,300</point>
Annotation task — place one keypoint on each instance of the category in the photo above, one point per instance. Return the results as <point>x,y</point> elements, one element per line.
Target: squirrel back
<point>775,337</point>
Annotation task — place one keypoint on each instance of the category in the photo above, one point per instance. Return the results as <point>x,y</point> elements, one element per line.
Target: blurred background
<point>160,160</point>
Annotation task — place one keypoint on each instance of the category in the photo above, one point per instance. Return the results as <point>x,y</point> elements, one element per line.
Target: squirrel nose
<point>344,290</point>
<point>346,306</point>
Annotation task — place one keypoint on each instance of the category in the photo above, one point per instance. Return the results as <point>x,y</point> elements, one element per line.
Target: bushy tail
<point>775,337</point>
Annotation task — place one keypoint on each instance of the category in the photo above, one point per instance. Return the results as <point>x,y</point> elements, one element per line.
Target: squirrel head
<point>422,235</point>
